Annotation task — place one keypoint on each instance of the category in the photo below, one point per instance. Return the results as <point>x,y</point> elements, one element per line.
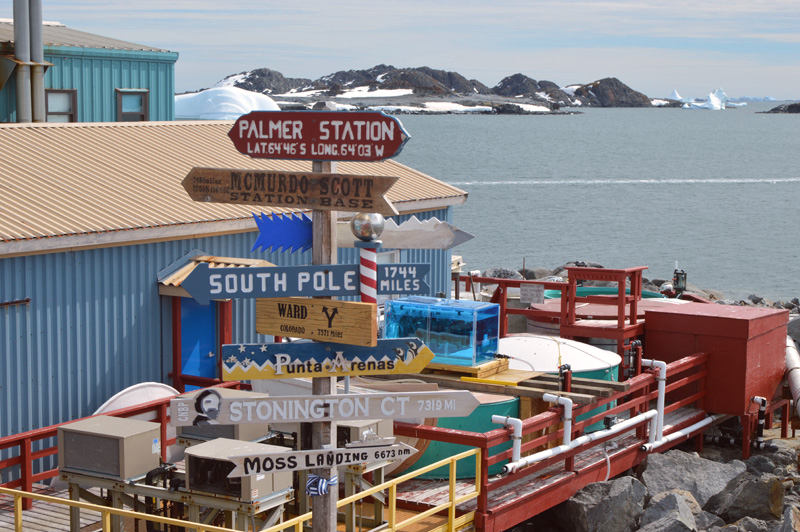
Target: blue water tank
<point>459,332</point>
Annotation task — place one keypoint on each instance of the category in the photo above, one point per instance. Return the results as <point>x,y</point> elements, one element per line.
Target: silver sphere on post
<point>367,226</point>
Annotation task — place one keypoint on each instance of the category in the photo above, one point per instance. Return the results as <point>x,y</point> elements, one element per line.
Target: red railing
<point>24,442</point>
<point>636,399</point>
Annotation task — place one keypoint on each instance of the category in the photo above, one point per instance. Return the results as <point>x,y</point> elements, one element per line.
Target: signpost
<point>205,283</point>
<point>341,322</point>
<point>303,190</point>
<point>323,359</point>
<point>318,135</point>
<point>260,409</point>
<point>258,464</point>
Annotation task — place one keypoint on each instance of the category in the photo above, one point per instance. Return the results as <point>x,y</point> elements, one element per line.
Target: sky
<point>746,47</point>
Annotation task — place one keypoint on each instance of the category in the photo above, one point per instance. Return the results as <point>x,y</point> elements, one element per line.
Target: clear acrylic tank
<point>459,332</point>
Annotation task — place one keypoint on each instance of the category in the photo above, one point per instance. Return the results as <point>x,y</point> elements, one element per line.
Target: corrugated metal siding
<point>95,323</point>
<point>97,77</point>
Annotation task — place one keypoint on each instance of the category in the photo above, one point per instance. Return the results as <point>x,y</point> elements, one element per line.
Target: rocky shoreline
<point>682,490</point>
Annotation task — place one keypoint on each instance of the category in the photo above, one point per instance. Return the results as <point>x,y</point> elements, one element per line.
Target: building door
<point>198,339</point>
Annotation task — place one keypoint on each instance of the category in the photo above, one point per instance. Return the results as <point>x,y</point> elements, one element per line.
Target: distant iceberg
<point>716,101</point>
<point>221,103</point>
<point>675,96</point>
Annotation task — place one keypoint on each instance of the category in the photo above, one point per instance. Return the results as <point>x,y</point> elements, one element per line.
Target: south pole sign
<point>323,359</point>
<point>258,464</point>
<point>318,135</point>
<point>205,283</point>
<point>260,408</point>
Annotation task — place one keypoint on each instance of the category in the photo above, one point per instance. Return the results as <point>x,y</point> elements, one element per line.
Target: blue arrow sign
<point>323,359</point>
<point>287,233</point>
<point>403,279</point>
<point>205,284</point>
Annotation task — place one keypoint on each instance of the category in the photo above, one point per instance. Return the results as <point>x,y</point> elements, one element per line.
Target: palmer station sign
<point>318,135</point>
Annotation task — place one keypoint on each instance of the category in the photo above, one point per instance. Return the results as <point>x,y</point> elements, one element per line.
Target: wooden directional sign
<point>323,359</point>
<point>341,322</point>
<point>205,284</point>
<point>259,408</point>
<point>318,135</point>
<point>327,192</point>
<point>258,464</point>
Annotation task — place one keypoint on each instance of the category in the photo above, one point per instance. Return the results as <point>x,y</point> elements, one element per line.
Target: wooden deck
<point>45,516</point>
<point>430,493</point>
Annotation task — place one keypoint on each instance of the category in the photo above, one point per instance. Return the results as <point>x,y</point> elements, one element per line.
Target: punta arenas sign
<point>318,135</point>
<point>323,359</point>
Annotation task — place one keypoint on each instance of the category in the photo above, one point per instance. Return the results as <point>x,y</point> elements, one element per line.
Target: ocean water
<point>717,192</point>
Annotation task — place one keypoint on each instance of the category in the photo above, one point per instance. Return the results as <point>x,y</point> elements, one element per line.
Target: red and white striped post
<point>367,227</point>
<point>368,270</point>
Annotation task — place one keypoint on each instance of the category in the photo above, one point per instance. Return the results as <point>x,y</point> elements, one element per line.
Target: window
<point>133,105</point>
<point>61,105</point>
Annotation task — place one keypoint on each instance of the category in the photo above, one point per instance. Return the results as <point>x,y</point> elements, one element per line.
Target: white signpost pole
<point>323,435</point>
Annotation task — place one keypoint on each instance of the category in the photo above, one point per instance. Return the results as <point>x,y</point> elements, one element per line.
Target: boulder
<point>669,524</point>
<point>603,506</point>
<point>536,273</point>
<point>676,469</point>
<point>670,507</point>
<point>793,329</point>
<point>502,273</point>
<point>790,521</point>
<point>759,497</point>
<point>751,524</point>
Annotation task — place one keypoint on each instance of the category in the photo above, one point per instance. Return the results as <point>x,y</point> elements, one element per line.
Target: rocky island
<point>412,88</point>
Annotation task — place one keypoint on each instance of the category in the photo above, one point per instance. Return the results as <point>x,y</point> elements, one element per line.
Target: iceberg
<point>715,101</point>
<point>675,96</point>
<point>221,103</point>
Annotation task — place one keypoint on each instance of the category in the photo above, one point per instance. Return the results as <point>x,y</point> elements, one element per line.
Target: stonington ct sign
<point>318,135</point>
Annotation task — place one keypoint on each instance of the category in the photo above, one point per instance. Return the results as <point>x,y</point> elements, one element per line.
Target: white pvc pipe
<point>516,424</point>
<point>662,385</point>
<point>793,376</point>
<point>681,433</point>
<point>567,404</point>
<point>622,426</point>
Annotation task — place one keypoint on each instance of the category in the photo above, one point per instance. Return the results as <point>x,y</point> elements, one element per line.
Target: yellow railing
<point>453,523</point>
<point>105,511</point>
<point>392,524</point>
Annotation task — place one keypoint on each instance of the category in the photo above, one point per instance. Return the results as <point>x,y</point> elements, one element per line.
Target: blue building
<point>86,77</point>
<point>96,232</point>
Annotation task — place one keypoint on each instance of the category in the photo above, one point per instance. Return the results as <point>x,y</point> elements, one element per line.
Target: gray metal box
<point>208,466</point>
<point>108,446</point>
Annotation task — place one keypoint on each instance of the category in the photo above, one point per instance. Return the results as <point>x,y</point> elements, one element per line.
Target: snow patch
<point>221,103</point>
<point>230,81</point>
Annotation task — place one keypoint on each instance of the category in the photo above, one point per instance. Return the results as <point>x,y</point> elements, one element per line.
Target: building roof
<point>72,186</point>
<point>56,34</point>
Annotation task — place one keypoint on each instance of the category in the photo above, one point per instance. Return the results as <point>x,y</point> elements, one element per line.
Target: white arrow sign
<point>260,408</point>
<point>298,460</point>
<point>411,234</point>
